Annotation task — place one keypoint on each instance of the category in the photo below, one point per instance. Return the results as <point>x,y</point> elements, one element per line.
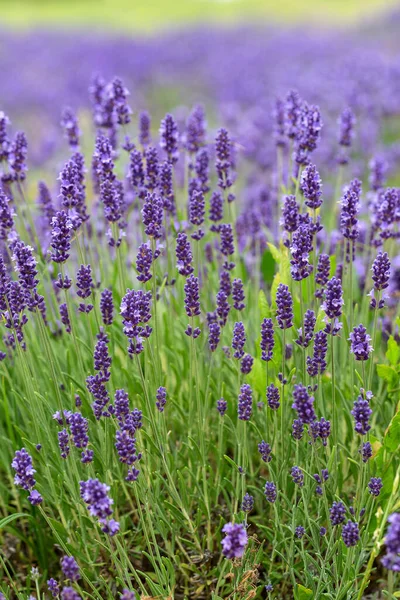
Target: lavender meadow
<point>200,362</point>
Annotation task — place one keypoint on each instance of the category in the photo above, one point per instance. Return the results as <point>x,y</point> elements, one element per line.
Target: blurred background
<point>234,56</point>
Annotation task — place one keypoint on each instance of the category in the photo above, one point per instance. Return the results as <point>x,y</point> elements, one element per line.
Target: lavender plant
<point>198,400</point>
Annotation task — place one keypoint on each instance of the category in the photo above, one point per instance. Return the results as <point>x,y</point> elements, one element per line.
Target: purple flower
<point>284,307</point>
<point>166,188</point>
<point>17,156</point>
<point>290,214</point>
<point>317,364</point>
<point>25,266</point>
<point>35,498</point>
<point>112,200</point>
<point>322,531</point>
<point>202,169</point>
<point>184,255</point>
<point>278,115</point>
<point>24,471</point>
<point>68,593</point>
<point>366,451</point>
<point>238,340</point>
<point>70,568</point>
<point>65,317</point>
<point>303,404</point>
<point>350,207</point>
<point>152,214</point>
<point>273,397</point>
<point>69,123</point>
<point>247,503</point>
<point>45,202</point>
<point>267,339</point>
<point>161,397</point>
<point>265,451</point>
<point>225,283</point>
<point>292,114</point>
<point>169,137</point>
<point>214,336</point>
<point>381,271</point>
<point>144,128</point>
<point>270,491</point>
<point>195,129</point>
<point>54,587</point>
<point>95,495</point>
<point>309,324</point>
<point>136,172</point>
<point>6,216</point>
<point>324,430</point>
<point>247,364</point>
<point>119,96</point>
<point>79,430</point>
<point>391,560</point>
<point>297,476</point>
<point>377,176</point>
<point>107,306</point>
<point>128,595</point>
<point>192,296</point>
<point>144,261</point>
<point>308,131</point>
<point>227,247</point>
<point>135,311</point>
<point>222,406</point>
<point>152,168</point>
<point>197,212</point>
<point>223,161</point>
<point>375,485</point>
<point>235,540</point>
<point>360,343</point>
<point>223,307</point>
<point>63,441</point>
<point>238,294</point>
<point>299,532</point>
<point>311,187</point>
<point>350,533</point>
<point>300,248</point>
<point>216,210</point>
<point>337,513</point>
<point>322,273</point>
<point>333,298</point>
<point>346,122</point>
<point>245,402</point>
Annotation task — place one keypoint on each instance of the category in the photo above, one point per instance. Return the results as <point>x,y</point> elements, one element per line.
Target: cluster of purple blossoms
<point>144,128</point>
<point>247,503</point>
<point>144,260</point>
<point>303,404</point>
<point>267,339</point>
<point>366,451</point>
<point>350,533</point>
<point>308,133</point>
<point>223,307</point>
<point>235,540</point>
<point>152,215</point>
<point>350,207</point>
<point>238,294</point>
<point>245,403</point>
<point>169,138</point>
<point>197,212</point>
<point>316,364</point>
<point>299,532</point>
<point>278,116</point>
<point>346,122</point>
<point>238,340</point>
<point>391,560</point>
<point>25,266</point>
<point>17,157</point>
<point>265,451</point>
<point>53,587</point>
<point>166,188</point>
<point>246,364</point>
<point>152,168</point>
<point>195,129</point>
<point>69,123</point>
<point>332,305</point>
<point>222,406</point>
<point>273,397</point>
<point>360,343</point>
<point>184,255</point>
<point>95,495</point>
<point>270,491</point>
<point>192,303</point>
<point>85,285</point>
<point>135,312</point>
<point>375,485</point>
<point>216,212</point>
<point>107,306</point>
<point>297,476</point>
<point>290,214</point>
<point>300,249</point>
<point>337,513</point>
<point>305,338</point>
<point>6,216</point>
<point>227,246</point>
<point>362,413</point>
<point>125,444</point>
<point>24,475</point>
<point>70,568</point>
<point>297,429</point>
<point>292,115</point>
<point>161,399</point>
<point>320,479</point>
<point>311,187</point>
<point>214,336</point>
<point>284,307</point>
<point>223,161</point>
<point>380,276</point>
<point>322,274</point>
<point>61,236</point>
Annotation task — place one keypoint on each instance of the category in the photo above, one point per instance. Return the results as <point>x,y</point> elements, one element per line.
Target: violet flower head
<point>322,273</point>
<point>350,207</point>
<point>270,491</point>
<point>107,306</point>
<point>223,161</point>
<point>225,283</point>
<point>309,130</point>
<point>136,172</point>
<point>362,413</point>
<point>184,255</point>
<point>235,540</point>
<point>202,169</point>
<point>238,294</point>
<point>297,476</point>
<point>350,534</point>
<point>85,285</point>
<point>192,296</point>
<point>4,139</point>
<point>152,168</point>
<point>152,215</point>
<point>381,271</point>
<point>65,317</point>
<point>6,216</point>
<point>303,404</point>
<point>63,443</point>
<point>337,513</point>
<point>238,340</point>
<point>79,427</point>
<point>284,307</point>
<point>273,397</point>
<point>375,485</point>
<point>247,503</point>
<point>267,342</point>
<point>311,187</point>
<point>45,202</point>
<point>135,311</point>
<point>161,399</point>
<point>195,129</point>
<point>60,237</point>
<point>111,199</point>
<point>346,124</point>
<point>169,138</point>
<point>299,532</point>
<point>216,213</point>
<point>53,587</point>
<point>128,595</point>
<point>316,365</point>
<point>305,339</point>
<point>144,260</point>
<point>297,429</point>
<point>222,406</point>
<point>120,95</point>
<point>366,451</point>
<point>377,177</point>
<point>227,245</point>
<point>68,593</point>
<point>17,156</point>
<point>69,123</point>
<point>70,568</point>
<point>95,495</point>
<point>278,116</point>
<point>333,302</point>
<point>144,128</point>
<point>265,451</point>
<point>391,560</point>
<point>197,212</point>
<point>246,364</point>
<point>290,214</point>
<point>360,343</point>
<point>223,307</point>
<point>214,336</point>
<point>245,403</point>
<point>166,187</point>
<point>300,248</point>
<point>293,106</point>
<point>24,471</point>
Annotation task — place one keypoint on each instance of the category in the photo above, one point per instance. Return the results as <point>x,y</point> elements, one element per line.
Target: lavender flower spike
<point>360,343</point>
<point>235,540</point>
<point>284,307</point>
<point>391,560</point>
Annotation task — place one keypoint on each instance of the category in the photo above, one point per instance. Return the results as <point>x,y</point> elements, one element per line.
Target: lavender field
<point>199,292</point>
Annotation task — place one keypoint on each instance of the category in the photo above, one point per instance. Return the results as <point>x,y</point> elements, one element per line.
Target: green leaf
<point>265,310</point>
<point>268,267</point>
<point>387,373</point>
<point>393,352</point>
<point>391,440</point>
<point>303,593</point>
<point>7,520</point>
